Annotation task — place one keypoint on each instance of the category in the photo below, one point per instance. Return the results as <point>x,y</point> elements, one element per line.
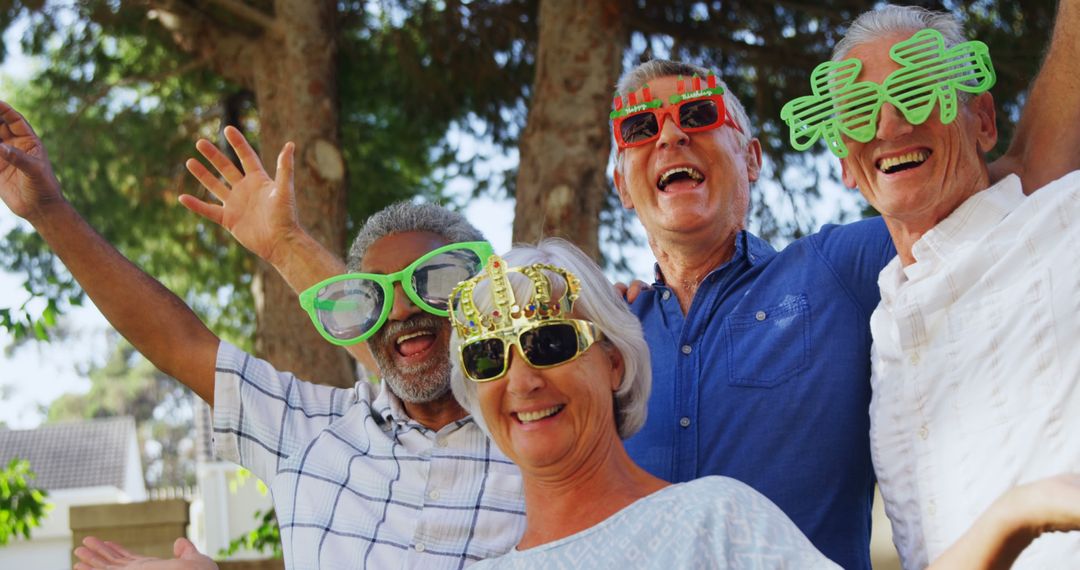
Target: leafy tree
<point>128,385</point>
<point>130,85</point>
<point>22,506</point>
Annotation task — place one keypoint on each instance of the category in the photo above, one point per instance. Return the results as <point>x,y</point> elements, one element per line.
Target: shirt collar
<point>390,408</point>
<point>747,246</point>
<point>970,222</point>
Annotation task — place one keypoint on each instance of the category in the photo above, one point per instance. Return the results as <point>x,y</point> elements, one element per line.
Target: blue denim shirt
<point>766,379</point>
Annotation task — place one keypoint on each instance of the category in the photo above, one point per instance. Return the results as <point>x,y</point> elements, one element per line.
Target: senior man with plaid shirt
<point>398,476</point>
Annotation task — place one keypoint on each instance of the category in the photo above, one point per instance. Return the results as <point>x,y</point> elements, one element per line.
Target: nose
<point>521,378</point>
<point>402,307</point>
<point>891,123</point>
<point>670,133</point>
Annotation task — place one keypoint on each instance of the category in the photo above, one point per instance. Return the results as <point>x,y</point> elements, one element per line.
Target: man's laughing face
<point>413,347</point>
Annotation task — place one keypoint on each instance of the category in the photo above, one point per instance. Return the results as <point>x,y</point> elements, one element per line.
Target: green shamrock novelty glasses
<point>928,75</point>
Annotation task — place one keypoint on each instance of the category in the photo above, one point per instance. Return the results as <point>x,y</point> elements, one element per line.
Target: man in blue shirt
<point>760,358</point>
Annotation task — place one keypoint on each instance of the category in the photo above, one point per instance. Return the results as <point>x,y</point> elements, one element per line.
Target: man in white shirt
<point>975,371</point>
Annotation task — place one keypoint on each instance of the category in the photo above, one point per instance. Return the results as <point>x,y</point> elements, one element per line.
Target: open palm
<point>258,211</point>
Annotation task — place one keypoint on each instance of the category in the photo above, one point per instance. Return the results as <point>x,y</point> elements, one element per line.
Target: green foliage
<point>22,506</point>
<point>119,105</point>
<point>128,385</point>
<point>264,538</point>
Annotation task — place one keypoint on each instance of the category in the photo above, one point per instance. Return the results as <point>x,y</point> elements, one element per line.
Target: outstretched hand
<point>260,212</point>
<point>98,554</point>
<point>27,181</point>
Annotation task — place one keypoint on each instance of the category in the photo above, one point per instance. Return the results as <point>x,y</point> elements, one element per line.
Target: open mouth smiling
<point>900,163</point>
<point>679,174</point>
<point>413,343</point>
<point>537,415</point>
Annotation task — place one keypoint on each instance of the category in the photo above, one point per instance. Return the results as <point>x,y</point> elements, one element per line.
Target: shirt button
<point>924,432</point>
<point>914,359</point>
<point>666,295</point>
<point>687,349</point>
<point>420,547</point>
<point>433,494</point>
<point>760,315</point>
<point>684,422</point>
<point>932,508</point>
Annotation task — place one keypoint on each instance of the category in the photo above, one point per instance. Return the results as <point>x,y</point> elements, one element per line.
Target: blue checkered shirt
<point>357,483</point>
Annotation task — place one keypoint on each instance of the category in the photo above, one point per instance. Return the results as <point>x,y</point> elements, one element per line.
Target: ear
<point>982,106</point>
<point>753,160</point>
<point>620,183</point>
<point>846,175</point>
<point>618,367</point>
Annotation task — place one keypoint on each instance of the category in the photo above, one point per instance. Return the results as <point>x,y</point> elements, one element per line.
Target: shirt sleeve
<point>856,253</point>
<point>263,416</point>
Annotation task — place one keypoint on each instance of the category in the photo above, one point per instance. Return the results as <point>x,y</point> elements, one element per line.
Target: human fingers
<point>109,551</point>
<point>212,212</point>
<point>207,179</point>
<point>121,550</point>
<point>620,289</point>
<point>636,287</point>
<point>183,548</point>
<point>248,158</point>
<point>228,170</point>
<point>285,166</point>
<point>88,559</point>
<point>14,122</point>
<point>18,158</point>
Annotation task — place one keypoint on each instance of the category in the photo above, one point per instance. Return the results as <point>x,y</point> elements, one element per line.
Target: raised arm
<point>1046,142</point>
<point>260,212</point>
<point>1013,522</point>
<point>151,317</point>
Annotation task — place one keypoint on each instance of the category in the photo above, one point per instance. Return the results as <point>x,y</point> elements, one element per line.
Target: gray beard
<point>420,384</point>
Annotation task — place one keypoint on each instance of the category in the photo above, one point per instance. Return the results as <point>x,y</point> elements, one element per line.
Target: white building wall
<point>221,514</point>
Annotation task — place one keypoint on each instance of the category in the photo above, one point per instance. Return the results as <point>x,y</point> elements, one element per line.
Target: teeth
<point>406,337</point>
<point>917,157</point>
<point>527,417</point>
<point>693,173</point>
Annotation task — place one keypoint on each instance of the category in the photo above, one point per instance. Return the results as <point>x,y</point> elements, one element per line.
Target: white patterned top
<point>976,367</point>
<point>714,522</point>
<point>357,483</point>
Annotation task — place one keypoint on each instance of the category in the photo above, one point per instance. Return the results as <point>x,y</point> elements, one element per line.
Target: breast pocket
<point>768,346</point>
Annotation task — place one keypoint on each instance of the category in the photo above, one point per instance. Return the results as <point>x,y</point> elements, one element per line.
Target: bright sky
<point>35,374</point>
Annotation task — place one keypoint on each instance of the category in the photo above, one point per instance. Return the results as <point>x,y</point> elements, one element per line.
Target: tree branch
<point>266,22</point>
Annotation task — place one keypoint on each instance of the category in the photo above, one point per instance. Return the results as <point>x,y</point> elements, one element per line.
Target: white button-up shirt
<point>976,362</point>
<point>356,482</point>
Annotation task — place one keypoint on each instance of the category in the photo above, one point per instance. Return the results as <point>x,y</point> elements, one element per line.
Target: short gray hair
<point>598,303</point>
<point>874,24</point>
<point>410,217</point>
<point>653,69</point>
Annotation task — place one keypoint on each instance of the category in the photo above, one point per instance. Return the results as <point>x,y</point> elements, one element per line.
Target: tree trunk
<point>289,60</point>
<point>295,78</point>
<point>566,144</point>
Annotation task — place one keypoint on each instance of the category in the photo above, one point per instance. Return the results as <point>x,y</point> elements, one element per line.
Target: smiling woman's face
<point>549,421</point>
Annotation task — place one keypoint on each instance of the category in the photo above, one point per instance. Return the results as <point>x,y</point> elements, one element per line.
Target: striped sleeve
<point>263,416</point>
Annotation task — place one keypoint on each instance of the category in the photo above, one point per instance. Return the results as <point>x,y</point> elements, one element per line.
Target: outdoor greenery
<point>22,505</point>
